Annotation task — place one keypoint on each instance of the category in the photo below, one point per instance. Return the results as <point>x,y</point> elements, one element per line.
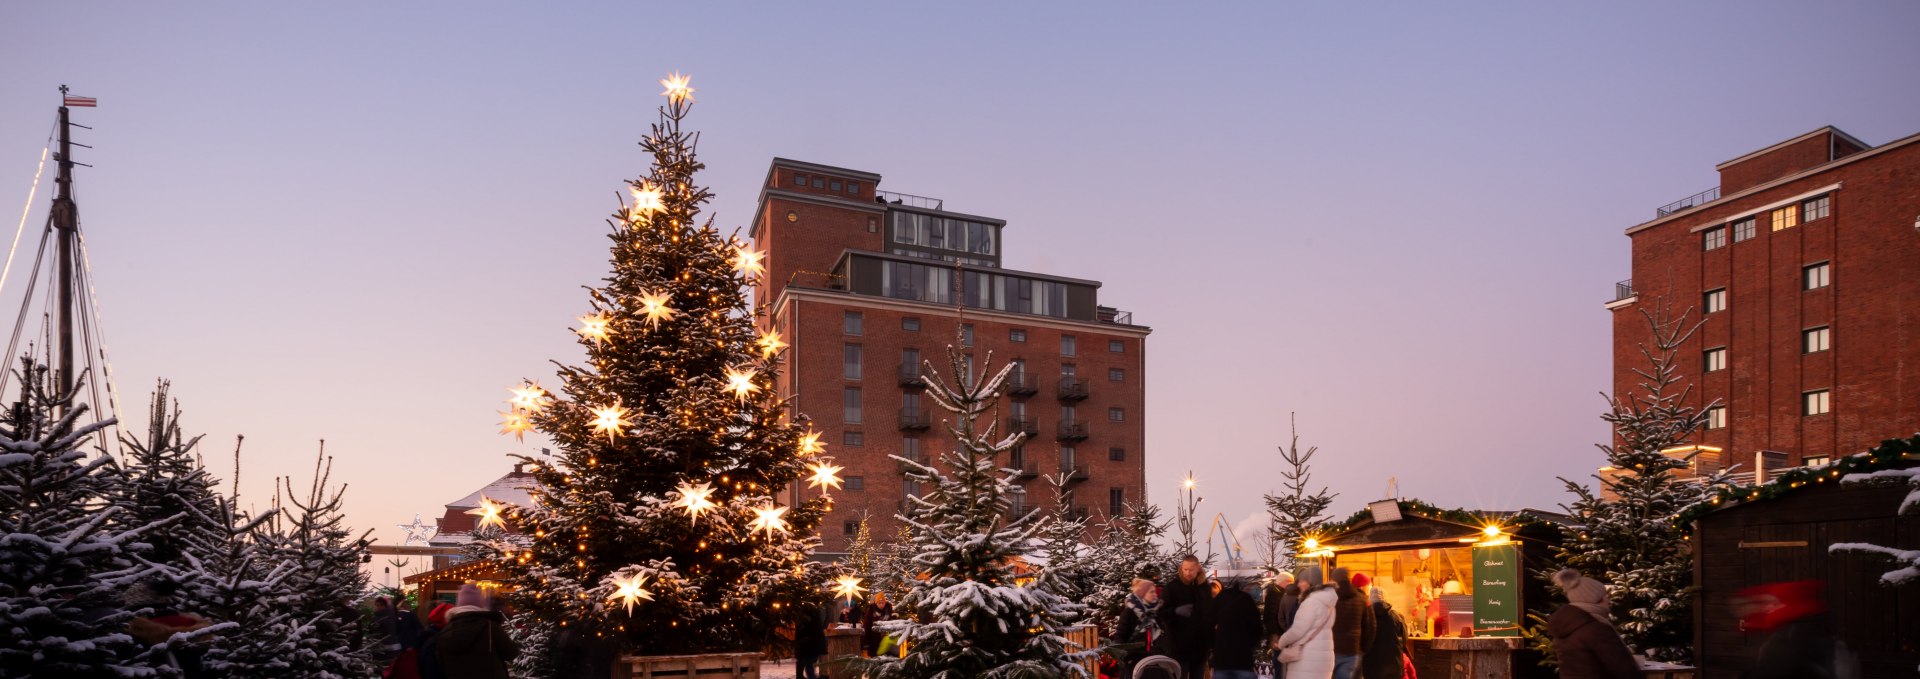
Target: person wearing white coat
<point>1312,628</point>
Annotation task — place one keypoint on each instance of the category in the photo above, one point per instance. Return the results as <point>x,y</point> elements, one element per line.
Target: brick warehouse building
<point>1805,266</point>
<point>863,283</point>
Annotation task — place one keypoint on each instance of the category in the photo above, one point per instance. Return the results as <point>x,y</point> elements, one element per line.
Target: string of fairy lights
<point>615,420</point>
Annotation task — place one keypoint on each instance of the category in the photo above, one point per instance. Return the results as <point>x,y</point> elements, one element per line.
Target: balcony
<point>1688,203</point>
<point>1072,431</point>
<point>1076,513</point>
<point>915,419</point>
<point>909,200</point>
<point>1017,511</point>
<point>1073,388</point>
<point>1074,472</point>
<point>911,376</point>
<point>817,280</point>
<point>907,465</point>
<point>1623,290</point>
<point>1022,384</point>
<point>1026,470</point>
<point>1027,426</point>
<point>1107,314</point>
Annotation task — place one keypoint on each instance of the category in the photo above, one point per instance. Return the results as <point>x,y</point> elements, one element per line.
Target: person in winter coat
<point>430,643</point>
<point>1236,631</point>
<point>1382,659</point>
<point>475,644</point>
<point>1184,603</point>
<point>1276,608</point>
<point>1137,634</point>
<point>1800,641</point>
<point>1312,629</point>
<point>809,639</point>
<point>1353,626</point>
<point>1584,640</point>
<point>878,610</point>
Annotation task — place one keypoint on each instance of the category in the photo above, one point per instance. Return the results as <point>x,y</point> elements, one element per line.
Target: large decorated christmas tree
<point>658,519</point>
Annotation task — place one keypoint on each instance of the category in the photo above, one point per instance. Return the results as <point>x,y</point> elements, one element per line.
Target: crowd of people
<point>465,639</point>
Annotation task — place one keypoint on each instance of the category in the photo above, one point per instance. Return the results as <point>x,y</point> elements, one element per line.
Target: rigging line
<point>24,211</point>
<point>26,303</point>
<point>99,328</point>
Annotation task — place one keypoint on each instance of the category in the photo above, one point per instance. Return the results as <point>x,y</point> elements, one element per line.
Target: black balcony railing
<point>1688,203</point>
<point>1073,388</point>
<point>1027,469</point>
<point>1018,511</point>
<point>1076,513</point>
<point>1072,431</point>
<point>1030,427</point>
<point>1107,314</point>
<point>907,464</point>
<point>909,200</point>
<point>1074,472</point>
<point>1022,383</point>
<point>1623,290</point>
<point>915,418</point>
<point>911,376</point>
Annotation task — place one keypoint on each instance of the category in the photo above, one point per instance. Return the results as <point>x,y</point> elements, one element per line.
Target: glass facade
<point>980,289</point>
<point>942,233</point>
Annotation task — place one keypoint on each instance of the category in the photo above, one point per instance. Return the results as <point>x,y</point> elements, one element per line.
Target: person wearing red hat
<point>1800,641</point>
<point>1353,625</point>
<point>430,644</point>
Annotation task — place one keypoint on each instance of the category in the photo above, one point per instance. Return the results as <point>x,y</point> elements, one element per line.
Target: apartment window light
<point>1815,461</point>
<point>1785,218</point>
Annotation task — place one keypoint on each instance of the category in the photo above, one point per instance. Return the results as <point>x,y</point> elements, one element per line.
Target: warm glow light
<point>677,89</point>
<point>747,261</point>
<point>1189,482</point>
<point>489,513</point>
<point>596,327</point>
<point>1311,544</point>
<point>647,199</point>
<point>740,382</point>
<point>629,592</point>
<point>770,343</point>
<point>825,476</point>
<point>611,420</point>
<point>1491,531</point>
<point>768,519</point>
<point>517,423</point>
<point>655,308</point>
<point>847,587</point>
<point>528,397</point>
<point>695,498</point>
<point>810,443</point>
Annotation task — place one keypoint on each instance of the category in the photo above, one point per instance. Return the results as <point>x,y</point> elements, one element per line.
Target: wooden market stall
<point>1462,580</point>
<point>442,585</point>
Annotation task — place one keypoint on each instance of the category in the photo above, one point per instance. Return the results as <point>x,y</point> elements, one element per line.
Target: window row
<point>1812,341</point>
<point>854,323</point>
<point>853,410</point>
<point>1785,217</point>
<point>1812,277</point>
<point>1816,402</point>
<point>943,233</point>
<point>802,180</point>
<point>907,280</point>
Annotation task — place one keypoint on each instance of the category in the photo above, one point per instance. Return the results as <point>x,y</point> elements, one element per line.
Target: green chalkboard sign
<point>1496,590</point>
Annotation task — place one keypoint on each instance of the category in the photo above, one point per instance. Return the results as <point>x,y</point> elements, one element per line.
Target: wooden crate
<point>706,666</point>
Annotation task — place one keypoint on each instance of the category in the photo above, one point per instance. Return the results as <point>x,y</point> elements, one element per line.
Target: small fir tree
<point>1130,548</point>
<point>860,553</point>
<point>1630,538</point>
<point>309,536</point>
<point>1071,566</point>
<point>241,585</point>
<point>1297,512</point>
<point>162,478</point>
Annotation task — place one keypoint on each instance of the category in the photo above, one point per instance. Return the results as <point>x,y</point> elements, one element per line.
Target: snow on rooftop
<point>511,489</point>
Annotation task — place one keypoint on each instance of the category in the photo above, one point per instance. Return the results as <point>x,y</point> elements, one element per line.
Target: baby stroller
<point>1157,667</point>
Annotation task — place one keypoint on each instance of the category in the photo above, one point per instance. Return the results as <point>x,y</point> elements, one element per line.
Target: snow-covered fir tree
<point>981,621</point>
<point>1906,561</point>
<point>64,559</point>
<point>1629,537</point>
<point>658,519</point>
<point>309,536</point>
<point>1129,548</point>
<point>536,638</point>
<point>861,553</point>
<point>240,584</point>
<point>1072,568</point>
<point>894,570</point>
<point>1297,511</point>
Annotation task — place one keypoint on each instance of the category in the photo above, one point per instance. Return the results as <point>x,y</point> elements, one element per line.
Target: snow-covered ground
<point>776,669</point>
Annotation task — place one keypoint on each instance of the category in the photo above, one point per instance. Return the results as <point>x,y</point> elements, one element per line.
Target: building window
<point>1066,345</point>
<point>1066,458</point>
<point>1717,417</point>
<point>1017,335</point>
<point>1116,346</point>
<point>853,323</point>
<point>850,527</point>
<point>1744,230</point>
<point>1116,501</point>
<point>833,185</point>
<point>856,483</point>
<point>1068,370</point>
<point>853,188</point>
<point>1716,359</point>
<point>1116,414</point>
<point>1714,238</point>
<point>1716,300</point>
<point>1816,276</point>
<point>852,362</point>
<point>1815,460</point>
<point>1117,454</point>
<point>910,448</point>
<point>910,324</point>
<point>1069,415</point>
<point>1116,375</point>
<point>1814,209</point>
<point>909,361</point>
<point>1785,218</point>
<point>853,438</point>
<point>873,225</point>
<point>852,409</point>
<point>799,179</point>
<point>1814,403</point>
<point>966,334</point>
<point>1816,339</point>
<point>819,182</point>
<point>1017,457</point>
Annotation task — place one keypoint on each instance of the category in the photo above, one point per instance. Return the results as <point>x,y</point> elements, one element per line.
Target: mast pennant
<point>70,100</point>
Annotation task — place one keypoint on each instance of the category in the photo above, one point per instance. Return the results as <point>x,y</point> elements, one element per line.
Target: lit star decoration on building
<point>740,382</point>
<point>654,307</point>
<point>847,587</point>
<point>647,199</point>
<point>517,423</point>
<point>417,531</point>
<point>528,397</point>
<point>810,443</point>
<point>489,513</point>
<point>677,89</point>
<point>747,261</point>
<point>825,476</point>
<point>628,591</point>
<point>596,327</point>
<point>695,498</point>
<point>768,519</point>
<point>611,420</point>
<point>770,344</point>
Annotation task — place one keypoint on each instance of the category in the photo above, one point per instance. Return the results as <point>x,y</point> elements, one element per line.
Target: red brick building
<point>1805,265</point>
<point>867,284</point>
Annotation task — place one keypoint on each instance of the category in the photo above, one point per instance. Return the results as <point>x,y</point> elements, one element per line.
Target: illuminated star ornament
<point>768,519</point>
<point>655,308</point>
<point>747,261</point>
<point>647,199</point>
<point>517,423</point>
<point>417,531</point>
<point>611,420</point>
<point>825,475</point>
<point>628,591</point>
<point>528,397</point>
<point>847,587</point>
<point>695,498</point>
<point>810,443</point>
<point>740,382</point>
<point>596,327</point>
<point>489,513</point>
<point>677,89</point>
<point>770,343</point>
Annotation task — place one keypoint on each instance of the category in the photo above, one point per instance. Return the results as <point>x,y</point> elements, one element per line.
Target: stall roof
<point>1421,523</point>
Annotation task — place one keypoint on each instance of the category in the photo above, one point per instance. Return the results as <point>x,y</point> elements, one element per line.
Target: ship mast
<point>66,225</point>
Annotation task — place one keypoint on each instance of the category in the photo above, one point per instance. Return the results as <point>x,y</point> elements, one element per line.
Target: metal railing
<point>1072,431</point>
<point>1623,290</point>
<point>915,418</point>
<point>910,200</point>
<point>1107,314</point>
<point>817,280</point>
<point>1015,512</point>
<point>1688,203</point>
<point>1076,513</point>
<point>1021,383</point>
<point>1023,425</point>
<point>910,375</point>
<point>1027,469</point>
<point>1074,472</point>
<point>1073,388</point>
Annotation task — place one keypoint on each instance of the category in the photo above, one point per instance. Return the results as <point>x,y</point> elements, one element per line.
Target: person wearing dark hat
<point>1236,631</point>
<point>475,644</point>
<point>1184,616</point>
<point>430,643</point>
<point>1584,639</point>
